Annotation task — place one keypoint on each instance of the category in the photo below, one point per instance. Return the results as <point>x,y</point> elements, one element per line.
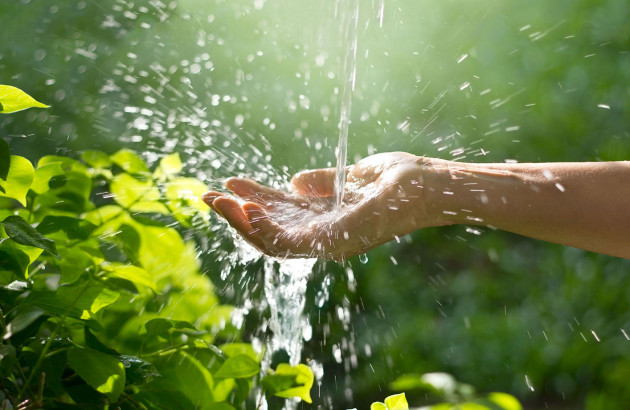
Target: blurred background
<point>252,87</point>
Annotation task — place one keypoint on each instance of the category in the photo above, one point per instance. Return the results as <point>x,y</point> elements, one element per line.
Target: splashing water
<point>348,12</point>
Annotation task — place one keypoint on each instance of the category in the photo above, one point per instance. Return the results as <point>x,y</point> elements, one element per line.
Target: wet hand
<point>383,199</point>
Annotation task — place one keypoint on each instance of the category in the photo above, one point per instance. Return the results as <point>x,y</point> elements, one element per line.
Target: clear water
<point>348,15</point>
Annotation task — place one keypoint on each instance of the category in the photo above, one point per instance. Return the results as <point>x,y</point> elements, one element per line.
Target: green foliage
<point>290,381</point>
<point>394,402</point>
<point>102,303</point>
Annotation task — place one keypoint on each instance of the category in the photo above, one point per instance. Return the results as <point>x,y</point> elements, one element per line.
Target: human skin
<point>584,205</point>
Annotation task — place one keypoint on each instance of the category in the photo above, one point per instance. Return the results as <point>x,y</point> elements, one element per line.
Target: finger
<point>209,197</point>
<point>268,231</point>
<point>253,191</point>
<point>233,213</point>
<point>315,182</point>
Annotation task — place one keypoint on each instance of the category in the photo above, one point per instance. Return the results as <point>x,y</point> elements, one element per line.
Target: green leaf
<point>74,264</point>
<point>47,300</point>
<point>164,327</point>
<point>22,321</point>
<point>75,228</point>
<point>193,379</point>
<point>17,258</point>
<point>43,175</point>
<point>8,359</point>
<point>138,371</point>
<point>168,166</point>
<point>90,297</point>
<point>5,159</point>
<point>13,99</point>
<point>134,274</point>
<point>290,381</point>
<point>397,402</point>
<point>136,195</point>
<point>96,159</point>
<point>378,406</point>
<point>18,180</point>
<point>505,401</point>
<point>238,367</point>
<point>233,349</point>
<point>130,162</point>
<point>103,372</point>
<point>23,233</point>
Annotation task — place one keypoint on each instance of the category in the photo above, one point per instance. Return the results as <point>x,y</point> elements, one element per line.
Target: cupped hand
<point>383,199</point>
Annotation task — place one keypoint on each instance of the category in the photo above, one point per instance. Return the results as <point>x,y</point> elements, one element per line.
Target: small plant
<point>102,302</point>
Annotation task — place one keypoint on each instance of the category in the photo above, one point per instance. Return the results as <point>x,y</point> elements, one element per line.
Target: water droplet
<point>363,258</point>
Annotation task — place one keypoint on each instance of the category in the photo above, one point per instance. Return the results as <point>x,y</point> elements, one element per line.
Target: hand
<point>383,199</point>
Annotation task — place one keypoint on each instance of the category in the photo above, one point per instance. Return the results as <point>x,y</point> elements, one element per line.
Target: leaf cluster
<point>102,302</point>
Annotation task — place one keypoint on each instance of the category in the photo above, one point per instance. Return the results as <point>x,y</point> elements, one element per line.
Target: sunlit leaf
<point>96,159</point>
<point>129,161</point>
<point>74,264</point>
<point>378,406</point>
<point>43,174</point>
<point>191,378</point>
<point>23,233</point>
<point>168,166</point>
<point>233,349</point>
<point>17,258</point>
<point>19,179</point>
<point>505,401</point>
<point>136,195</point>
<point>397,402</point>
<point>103,372</point>
<point>13,99</point>
<point>90,297</point>
<point>134,274</point>
<point>237,367</point>
<point>290,381</point>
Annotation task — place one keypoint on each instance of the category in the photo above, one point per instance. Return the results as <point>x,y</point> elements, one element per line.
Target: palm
<point>305,223</point>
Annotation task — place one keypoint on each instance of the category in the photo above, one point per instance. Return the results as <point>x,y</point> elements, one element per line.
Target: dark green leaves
<point>21,232</point>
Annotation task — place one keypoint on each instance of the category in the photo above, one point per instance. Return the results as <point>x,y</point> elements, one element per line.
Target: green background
<point>252,88</point>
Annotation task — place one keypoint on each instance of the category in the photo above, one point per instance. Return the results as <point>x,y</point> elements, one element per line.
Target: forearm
<point>585,205</point>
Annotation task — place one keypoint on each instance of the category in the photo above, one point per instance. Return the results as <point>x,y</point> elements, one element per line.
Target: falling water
<point>348,13</point>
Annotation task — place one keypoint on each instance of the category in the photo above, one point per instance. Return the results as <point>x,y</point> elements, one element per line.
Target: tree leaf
<point>187,374</point>
<point>169,165</point>
<point>96,159</point>
<point>397,402</point>
<point>74,264</point>
<point>18,180</point>
<point>8,359</point>
<point>136,195</point>
<point>5,159</point>
<point>23,233</point>
<point>238,367</point>
<point>130,162</point>
<point>17,258</point>
<point>13,99</point>
<point>290,381</point>
<point>43,175</point>
<point>505,401</point>
<point>103,372</point>
<point>134,274</point>
<point>75,228</point>
<point>378,406</point>
<point>22,321</point>
<point>138,371</point>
